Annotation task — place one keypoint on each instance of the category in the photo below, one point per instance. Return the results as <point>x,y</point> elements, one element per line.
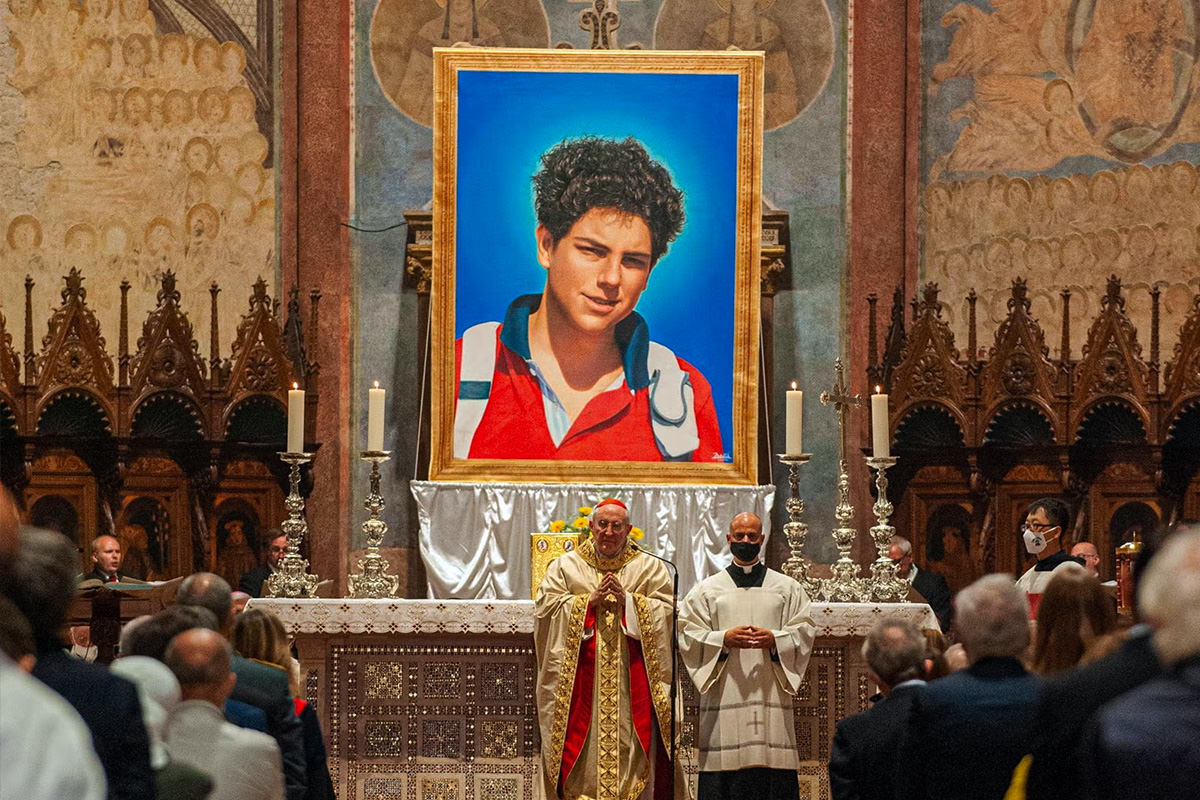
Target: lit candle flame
<point>376,384</point>
<point>295,385</point>
<point>878,389</point>
<point>793,385</point>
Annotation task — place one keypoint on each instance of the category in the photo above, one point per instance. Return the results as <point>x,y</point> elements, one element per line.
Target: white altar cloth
<point>475,536</point>
<point>342,616</point>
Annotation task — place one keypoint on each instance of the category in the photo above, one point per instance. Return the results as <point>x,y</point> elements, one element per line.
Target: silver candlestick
<point>372,579</point>
<point>291,579</point>
<point>884,585</point>
<point>797,565</point>
<point>845,585</point>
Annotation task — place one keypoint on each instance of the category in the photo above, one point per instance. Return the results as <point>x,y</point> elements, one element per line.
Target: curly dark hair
<point>578,175</point>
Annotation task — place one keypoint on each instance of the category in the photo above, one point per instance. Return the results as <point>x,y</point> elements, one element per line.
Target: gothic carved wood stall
<point>980,435</point>
<point>172,453</point>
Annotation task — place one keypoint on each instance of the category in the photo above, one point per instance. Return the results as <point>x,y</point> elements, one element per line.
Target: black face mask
<point>745,551</point>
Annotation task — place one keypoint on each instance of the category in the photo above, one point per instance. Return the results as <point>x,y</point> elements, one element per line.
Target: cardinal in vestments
<point>746,634</point>
<point>602,632</point>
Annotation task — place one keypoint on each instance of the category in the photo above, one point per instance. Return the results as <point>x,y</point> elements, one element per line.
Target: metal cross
<point>842,401</point>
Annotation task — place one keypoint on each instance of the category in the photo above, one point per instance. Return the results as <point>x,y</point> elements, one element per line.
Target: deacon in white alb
<point>746,635</point>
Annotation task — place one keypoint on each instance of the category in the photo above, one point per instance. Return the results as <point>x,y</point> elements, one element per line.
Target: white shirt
<point>45,748</point>
<point>244,764</point>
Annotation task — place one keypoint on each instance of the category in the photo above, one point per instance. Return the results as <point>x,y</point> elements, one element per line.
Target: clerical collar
<point>747,577</point>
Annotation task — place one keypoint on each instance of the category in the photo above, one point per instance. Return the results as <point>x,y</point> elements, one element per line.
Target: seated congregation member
<point>969,730</point>
<point>1146,743</point>
<point>931,586</point>
<point>746,635</point>
<point>1045,521</point>
<point>259,635</point>
<point>149,636</point>
<point>258,685</point>
<point>862,764</point>
<point>45,748</point>
<point>244,764</point>
<point>1074,612</point>
<point>1068,700</point>
<point>40,581</point>
<point>106,564</point>
<point>252,583</point>
<point>159,693</point>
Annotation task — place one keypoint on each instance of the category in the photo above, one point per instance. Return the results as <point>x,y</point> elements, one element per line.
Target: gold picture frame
<point>497,114</point>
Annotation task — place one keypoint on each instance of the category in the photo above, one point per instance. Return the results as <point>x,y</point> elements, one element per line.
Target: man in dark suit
<point>862,764</point>
<point>969,730</point>
<point>252,582</point>
<point>930,585</point>
<point>257,684</point>
<point>40,582</point>
<point>106,564</point>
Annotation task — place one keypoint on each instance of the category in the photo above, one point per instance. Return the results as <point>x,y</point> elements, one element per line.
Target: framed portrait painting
<point>596,245</point>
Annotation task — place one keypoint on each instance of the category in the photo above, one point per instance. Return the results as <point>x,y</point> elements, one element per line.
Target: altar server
<point>746,635</point>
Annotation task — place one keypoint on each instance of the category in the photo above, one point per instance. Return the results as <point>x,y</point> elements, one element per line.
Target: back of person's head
<point>991,618</point>
<point>40,581</point>
<point>207,590</point>
<point>260,635</point>
<point>1075,609</point>
<point>895,651</point>
<point>1169,596</point>
<point>16,637</point>
<point>200,660</point>
<point>935,654</point>
<point>151,636</point>
<point>1055,510</point>
<point>904,544</point>
<point>158,691</point>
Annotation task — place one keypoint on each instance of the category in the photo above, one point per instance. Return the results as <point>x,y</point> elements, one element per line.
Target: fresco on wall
<point>404,33</point>
<point>134,149</point>
<point>796,35</point>
<point>1060,145</point>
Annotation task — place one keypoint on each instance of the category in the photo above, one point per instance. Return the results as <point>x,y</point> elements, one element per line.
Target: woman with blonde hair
<point>1075,611</point>
<point>259,635</point>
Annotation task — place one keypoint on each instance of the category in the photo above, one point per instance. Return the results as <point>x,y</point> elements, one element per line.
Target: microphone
<point>641,549</point>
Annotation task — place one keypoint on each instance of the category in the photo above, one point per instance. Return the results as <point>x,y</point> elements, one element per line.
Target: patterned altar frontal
<point>434,700</point>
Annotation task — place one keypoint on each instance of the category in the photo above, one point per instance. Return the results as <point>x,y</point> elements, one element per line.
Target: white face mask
<point>1035,542</point>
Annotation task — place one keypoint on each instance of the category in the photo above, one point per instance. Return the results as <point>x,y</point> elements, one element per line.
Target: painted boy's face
<point>598,270</point>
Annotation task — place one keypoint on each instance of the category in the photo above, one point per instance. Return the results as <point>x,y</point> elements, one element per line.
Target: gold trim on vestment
<point>566,680</point>
<point>587,551</point>
<point>608,705</point>
<point>660,698</point>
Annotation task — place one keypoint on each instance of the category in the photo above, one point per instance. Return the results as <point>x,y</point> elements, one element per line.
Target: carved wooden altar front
<point>435,699</point>
<point>983,432</point>
<point>173,453</point>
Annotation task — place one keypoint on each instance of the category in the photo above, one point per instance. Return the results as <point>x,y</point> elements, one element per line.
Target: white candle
<point>295,440</point>
<point>375,417</point>
<point>794,444</point>
<point>881,437</point>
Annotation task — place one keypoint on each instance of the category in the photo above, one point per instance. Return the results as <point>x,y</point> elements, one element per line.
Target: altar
<point>434,699</point>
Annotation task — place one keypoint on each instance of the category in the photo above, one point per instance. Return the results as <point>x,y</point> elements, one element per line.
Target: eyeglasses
<point>616,526</point>
<point>1039,527</point>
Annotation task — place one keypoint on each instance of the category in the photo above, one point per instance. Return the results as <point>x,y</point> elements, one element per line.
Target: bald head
<point>745,519</point>
<point>200,660</point>
<point>106,554</point>
<point>209,591</point>
<point>745,538</point>
<point>1090,555</point>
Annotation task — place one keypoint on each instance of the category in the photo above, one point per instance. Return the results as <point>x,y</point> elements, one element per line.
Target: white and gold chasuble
<point>613,763</point>
<point>746,695</point>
